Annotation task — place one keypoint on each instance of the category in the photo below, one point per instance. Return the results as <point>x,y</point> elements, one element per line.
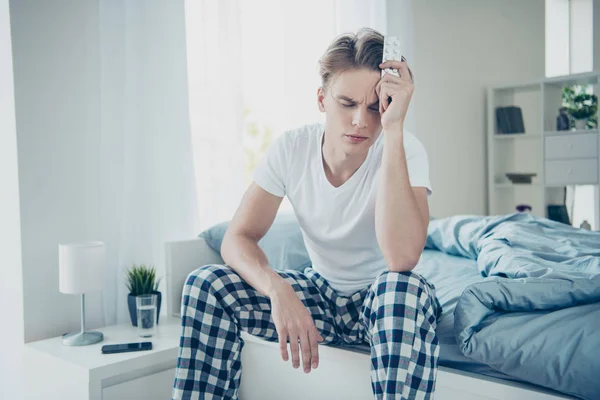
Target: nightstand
<point>55,371</point>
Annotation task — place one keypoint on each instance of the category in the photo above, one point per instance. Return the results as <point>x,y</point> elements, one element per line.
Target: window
<point>569,36</point>
<point>281,45</point>
<point>570,50</point>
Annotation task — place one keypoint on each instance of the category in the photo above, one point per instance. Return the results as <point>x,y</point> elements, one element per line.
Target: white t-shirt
<point>338,224</point>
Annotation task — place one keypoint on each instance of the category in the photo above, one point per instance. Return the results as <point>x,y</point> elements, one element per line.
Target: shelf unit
<point>559,158</point>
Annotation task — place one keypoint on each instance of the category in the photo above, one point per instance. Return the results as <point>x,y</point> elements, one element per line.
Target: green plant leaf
<point>580,103</point>
<point>141,279</point>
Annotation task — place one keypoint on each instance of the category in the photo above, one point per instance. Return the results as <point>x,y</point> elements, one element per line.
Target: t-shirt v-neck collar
<point>350,182</point>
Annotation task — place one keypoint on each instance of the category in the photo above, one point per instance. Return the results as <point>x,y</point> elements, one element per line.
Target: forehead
<point>356,84</point>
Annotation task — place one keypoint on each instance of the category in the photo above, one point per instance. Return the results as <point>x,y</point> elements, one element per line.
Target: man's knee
<point>209,275</point>
<point>405,281</point>
<point>407,288</point>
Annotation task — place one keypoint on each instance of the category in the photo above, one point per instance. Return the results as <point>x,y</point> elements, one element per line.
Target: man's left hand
<point>399,89</point>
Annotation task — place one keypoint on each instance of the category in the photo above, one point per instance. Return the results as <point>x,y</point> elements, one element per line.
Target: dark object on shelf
<point>509,120</point>
<point>585,225</point>
<point>562,121</point>
<point>520,177</point>
<point>558,213</point>
<point>524,208</point>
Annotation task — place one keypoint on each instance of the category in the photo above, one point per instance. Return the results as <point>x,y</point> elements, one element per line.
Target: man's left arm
<point>401,211</point>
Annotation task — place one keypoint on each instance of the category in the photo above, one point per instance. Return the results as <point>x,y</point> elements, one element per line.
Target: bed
<point>538,349</point>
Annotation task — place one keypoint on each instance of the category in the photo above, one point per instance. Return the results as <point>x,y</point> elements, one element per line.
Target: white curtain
<point>350,15</point>
<point>214,66</point>
<point>256,62</point>
<point>148,184</point>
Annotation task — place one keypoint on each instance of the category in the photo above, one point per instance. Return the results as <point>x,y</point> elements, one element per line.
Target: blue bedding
<point>451,275</point>
<point>535,314</point>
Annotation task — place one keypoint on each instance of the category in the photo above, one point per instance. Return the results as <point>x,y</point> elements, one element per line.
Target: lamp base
<point>82,338</point>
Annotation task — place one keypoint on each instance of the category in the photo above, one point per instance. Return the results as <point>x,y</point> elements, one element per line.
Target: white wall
<point>459,48</point>
<point>581,30</point>
<point>11,287</point>
<point>57,66</point>
<point>596,34</point>
<point>558,37</point>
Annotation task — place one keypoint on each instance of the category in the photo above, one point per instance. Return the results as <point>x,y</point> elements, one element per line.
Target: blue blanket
<point>536,313</point>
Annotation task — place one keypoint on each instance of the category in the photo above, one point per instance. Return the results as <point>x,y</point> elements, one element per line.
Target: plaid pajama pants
<point>396,315</point>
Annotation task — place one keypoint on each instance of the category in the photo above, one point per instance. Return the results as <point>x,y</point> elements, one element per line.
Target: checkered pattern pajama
<point>396,315</point>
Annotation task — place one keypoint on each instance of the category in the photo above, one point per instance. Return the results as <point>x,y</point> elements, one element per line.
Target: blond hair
<point>363,49</point>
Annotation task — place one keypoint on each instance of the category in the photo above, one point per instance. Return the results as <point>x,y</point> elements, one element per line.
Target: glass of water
<point>146,314</point>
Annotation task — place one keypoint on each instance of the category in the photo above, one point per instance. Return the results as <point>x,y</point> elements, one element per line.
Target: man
<point>359,187</point>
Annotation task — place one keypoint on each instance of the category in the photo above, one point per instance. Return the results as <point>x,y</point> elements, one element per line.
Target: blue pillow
<point>283,243</point>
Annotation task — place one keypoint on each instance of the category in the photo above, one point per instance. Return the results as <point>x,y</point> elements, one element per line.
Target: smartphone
<point>125,347</point>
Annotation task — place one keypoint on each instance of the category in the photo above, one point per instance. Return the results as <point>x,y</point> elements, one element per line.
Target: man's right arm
<point>240,249</point>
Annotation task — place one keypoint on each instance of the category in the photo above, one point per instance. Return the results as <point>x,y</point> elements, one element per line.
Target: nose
<point>359,118</point>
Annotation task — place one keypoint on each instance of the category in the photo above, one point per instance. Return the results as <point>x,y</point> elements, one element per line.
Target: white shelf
<point>584,78</point>
<point>511,136</point>
<point>570,132</point>
<point>515,185</point>
<point>539,147</point>
<point>522,86</point>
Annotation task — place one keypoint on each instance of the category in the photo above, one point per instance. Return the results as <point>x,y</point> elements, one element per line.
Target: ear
<point>321,99</point>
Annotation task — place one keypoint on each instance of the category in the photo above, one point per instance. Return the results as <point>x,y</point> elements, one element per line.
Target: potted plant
<point>581,106</point>
<point>142,280</point>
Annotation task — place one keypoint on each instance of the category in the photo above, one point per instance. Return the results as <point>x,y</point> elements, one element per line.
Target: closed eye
<point>374,108</point>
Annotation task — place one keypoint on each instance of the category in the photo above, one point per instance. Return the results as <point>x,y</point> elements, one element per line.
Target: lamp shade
<point>81,267</point>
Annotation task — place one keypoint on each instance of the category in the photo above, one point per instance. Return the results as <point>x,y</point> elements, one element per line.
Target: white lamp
<point>81,268</point>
